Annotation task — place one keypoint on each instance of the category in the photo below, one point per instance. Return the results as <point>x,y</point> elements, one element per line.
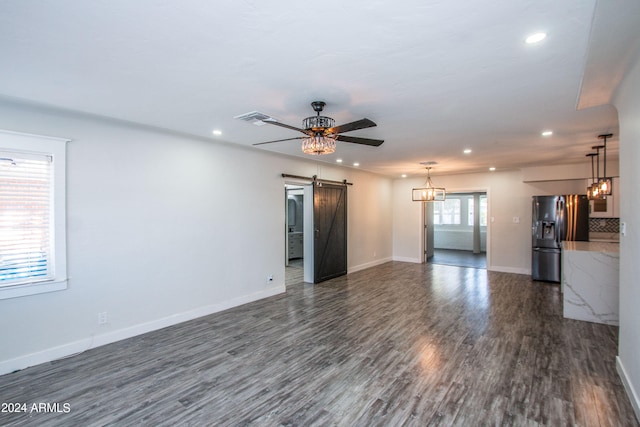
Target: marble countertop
<point>590,276</point>
<point>612,248</point>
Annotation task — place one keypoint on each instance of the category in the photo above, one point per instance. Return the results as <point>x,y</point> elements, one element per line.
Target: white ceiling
<point>436,76</point>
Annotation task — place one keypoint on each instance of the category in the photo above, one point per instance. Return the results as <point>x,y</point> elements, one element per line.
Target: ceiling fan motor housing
<point>318,106</point>
<point>318,123</point>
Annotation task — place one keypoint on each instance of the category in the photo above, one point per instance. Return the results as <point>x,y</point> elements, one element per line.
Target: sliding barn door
<point>330,231</point>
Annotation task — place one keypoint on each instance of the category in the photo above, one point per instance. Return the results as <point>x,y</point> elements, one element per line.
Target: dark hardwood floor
<point>459,258</point>
<point>397,344</point>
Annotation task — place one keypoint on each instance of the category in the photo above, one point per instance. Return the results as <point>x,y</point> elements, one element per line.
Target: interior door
<point>330,231</point>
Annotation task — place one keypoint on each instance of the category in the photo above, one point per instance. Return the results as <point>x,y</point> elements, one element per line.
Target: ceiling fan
<point>320,132</point>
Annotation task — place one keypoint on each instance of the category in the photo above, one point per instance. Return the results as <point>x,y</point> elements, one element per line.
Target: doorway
<point>315,232</point>
<point>294,233</point>
<point>459,227</point>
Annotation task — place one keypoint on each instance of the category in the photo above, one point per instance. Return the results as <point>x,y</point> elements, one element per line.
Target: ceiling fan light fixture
<point>318,144</point>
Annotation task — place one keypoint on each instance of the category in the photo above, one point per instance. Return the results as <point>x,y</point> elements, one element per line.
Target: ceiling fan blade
<point>348,127</point>
<point>364,141</point>
<point>279,140</point>
<point>273,121</point>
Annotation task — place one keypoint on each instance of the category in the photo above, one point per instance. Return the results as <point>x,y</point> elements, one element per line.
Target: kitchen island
<point>590,275</point>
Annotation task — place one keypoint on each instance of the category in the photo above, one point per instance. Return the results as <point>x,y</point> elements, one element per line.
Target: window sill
<point>15,291</point>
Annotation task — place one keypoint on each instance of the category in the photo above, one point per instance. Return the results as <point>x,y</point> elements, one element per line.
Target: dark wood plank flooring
<point>397,344</point>
<point>459,258</point>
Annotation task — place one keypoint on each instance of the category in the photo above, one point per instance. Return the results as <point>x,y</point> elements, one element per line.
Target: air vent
<point>254,117</point>
<point>431,163</point>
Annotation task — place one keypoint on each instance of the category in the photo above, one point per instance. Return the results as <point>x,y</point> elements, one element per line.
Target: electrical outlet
<point>516,220</point>
<point>102,318</point>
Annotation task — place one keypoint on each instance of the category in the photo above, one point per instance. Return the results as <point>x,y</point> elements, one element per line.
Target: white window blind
<point>26,247</point>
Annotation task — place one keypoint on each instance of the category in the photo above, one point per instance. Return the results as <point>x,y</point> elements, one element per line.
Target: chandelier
<point>318,144</point>
<point>428,193</point>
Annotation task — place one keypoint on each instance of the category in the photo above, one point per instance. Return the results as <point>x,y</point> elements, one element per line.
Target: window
<point>483,211</point>
<point>32,214</point>
<point>447,212</point>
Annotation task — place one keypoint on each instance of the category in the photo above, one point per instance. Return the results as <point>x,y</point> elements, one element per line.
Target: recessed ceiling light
<point>217,132</point>
<point>467,151</point>
<point>338,160</point>
<point>356,164</point>
<point>535,38</point>
<point>404,175</point>
<point>547,133</point>
<point>492,168</point>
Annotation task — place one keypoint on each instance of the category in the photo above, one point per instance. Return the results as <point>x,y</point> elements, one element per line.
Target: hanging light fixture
<point>604,183</point>
<point>590,194</point>
<point>428,193</point>
<point>595,186</point>
<point>318,144</point>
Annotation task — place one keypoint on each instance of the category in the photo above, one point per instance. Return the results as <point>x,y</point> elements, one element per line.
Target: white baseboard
<point>368,265</point>
<point>76,347</point>
<point>628,387</point>
<point>406,259</point>
<point>515,270</point>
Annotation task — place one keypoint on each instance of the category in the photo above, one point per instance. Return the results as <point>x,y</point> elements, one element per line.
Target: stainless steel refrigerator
<point>556,218</point>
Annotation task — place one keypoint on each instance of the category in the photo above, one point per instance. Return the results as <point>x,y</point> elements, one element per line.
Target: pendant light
<point>604,183</point>
<point>428,193</point>
<point>595,186</point>
<point>590,194</point>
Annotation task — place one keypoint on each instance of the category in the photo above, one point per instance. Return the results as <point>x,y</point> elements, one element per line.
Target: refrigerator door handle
<point>560,226</point>
<point>534,216</point>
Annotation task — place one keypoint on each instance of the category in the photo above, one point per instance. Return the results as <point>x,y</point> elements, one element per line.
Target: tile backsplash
<point>604,225</point>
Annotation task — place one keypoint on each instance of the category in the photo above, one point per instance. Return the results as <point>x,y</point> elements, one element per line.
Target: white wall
<point>627,102</point>
<point>163,228</point>
<point>458,238</point>
<point>573,171</point>
<point>508,243</point>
